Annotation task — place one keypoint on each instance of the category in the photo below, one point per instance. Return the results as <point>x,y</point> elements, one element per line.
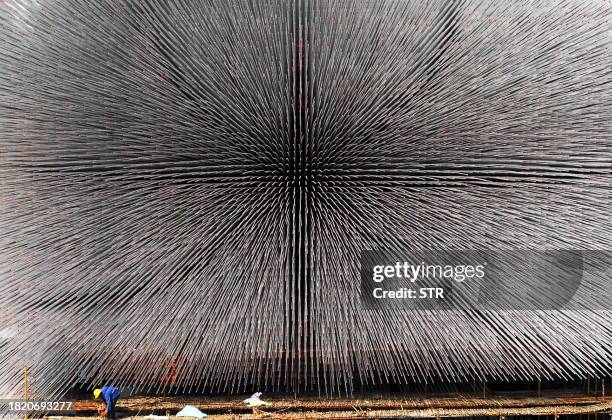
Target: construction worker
<point>110,395</point>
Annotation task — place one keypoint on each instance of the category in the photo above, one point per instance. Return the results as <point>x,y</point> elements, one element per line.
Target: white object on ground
<point>190,411</point>
<point>255,401</point>
<point>154,417</point>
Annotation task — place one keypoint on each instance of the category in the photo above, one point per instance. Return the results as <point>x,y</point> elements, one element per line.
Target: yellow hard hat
<point>97,393</point>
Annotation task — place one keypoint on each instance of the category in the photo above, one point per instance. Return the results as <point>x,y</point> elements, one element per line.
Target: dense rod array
<point>186,186</point>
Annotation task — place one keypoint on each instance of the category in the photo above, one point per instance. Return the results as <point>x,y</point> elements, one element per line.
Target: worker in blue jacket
<point>110,395</point>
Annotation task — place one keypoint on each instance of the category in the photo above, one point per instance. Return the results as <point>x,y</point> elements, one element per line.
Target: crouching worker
<point>109,395</point>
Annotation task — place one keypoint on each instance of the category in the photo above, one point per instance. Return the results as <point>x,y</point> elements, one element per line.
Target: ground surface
<point>376,407</point>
